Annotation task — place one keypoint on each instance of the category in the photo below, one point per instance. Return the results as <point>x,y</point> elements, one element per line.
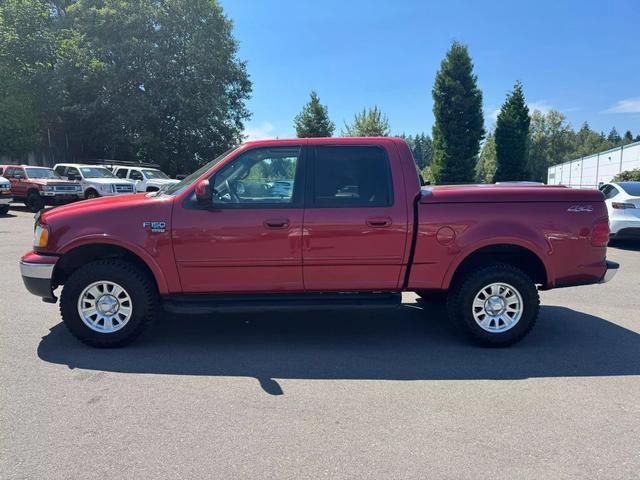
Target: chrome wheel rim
<point>105,306</point>
<point>497,307</point>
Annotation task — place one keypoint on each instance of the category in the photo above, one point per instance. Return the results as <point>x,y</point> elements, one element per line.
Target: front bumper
<point>59,198</point>
<point>612,269</point>
<point>37,275</point>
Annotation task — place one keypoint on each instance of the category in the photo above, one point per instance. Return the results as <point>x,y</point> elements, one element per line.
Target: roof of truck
<point>323,141</point>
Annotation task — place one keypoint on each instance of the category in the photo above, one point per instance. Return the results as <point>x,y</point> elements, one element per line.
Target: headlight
<point>41,236</point>
<point>105,188</point>
<point>47,188</point>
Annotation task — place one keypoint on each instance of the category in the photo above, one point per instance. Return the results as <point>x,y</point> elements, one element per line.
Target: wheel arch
<point>517,254</point>
<point>82,252</point>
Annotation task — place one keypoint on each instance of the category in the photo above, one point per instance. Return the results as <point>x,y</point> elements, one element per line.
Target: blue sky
<point>580,57</point>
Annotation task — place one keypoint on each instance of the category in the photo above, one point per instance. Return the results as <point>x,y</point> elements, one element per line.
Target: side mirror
<point>72,177</point>
<point>203,193</point>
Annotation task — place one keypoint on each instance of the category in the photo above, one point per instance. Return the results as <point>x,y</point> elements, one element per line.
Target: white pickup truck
<point>147,179</point>
<point>96,181</point>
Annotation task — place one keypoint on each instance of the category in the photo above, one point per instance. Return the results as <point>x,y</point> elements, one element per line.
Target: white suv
<point>623,204</point>
<point>146,179</point>
<point>96,181</point>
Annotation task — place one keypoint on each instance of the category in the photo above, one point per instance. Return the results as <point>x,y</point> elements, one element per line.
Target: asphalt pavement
<point>393,394</point>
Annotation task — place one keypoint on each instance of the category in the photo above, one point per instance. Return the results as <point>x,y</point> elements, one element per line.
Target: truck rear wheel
<point>108,303</point>
<point>496,306</point>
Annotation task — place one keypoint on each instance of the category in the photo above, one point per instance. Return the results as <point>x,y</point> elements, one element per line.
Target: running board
<point>240,303</point>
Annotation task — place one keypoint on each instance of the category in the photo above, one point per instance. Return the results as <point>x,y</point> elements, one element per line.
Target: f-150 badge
<point>580,208</point>
<point>155,227</point>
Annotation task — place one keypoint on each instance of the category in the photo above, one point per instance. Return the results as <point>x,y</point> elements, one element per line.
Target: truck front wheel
<point>107,303</point>
<point>34,202</point>
<point>496,305</point>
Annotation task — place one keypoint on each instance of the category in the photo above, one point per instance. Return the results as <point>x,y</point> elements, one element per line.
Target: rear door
<point>356,219</point>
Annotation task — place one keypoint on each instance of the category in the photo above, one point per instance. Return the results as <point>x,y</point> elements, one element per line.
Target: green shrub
<point>628,176</point>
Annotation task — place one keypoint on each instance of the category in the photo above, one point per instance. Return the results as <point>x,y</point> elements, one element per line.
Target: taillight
<point>600,233</point>
<point>622,206</point>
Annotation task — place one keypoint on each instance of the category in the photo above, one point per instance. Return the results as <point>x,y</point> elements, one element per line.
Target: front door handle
<point>379,222</point>
<point>276,223</point>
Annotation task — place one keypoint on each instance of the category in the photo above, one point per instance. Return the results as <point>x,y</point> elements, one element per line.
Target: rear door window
<point>122,173</point>
<point>351,176</point>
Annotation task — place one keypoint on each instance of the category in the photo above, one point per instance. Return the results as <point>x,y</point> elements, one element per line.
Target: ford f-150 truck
<point>356,230</point>
<point>40,186</point>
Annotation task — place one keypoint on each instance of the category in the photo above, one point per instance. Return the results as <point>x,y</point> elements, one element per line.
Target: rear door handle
<point>379,222</point>
<point>276,223</point>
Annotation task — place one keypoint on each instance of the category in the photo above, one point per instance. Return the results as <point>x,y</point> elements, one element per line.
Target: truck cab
<point>354,230</point>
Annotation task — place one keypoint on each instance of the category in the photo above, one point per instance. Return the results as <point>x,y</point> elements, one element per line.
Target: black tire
<point>34,202</point>
<point>91,193</point>
<point>137,283</point>
<point>152,189</point>
<point>461,310</point>
<point>4,209</point>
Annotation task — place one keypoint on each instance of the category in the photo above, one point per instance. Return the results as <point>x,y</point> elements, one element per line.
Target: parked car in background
<point>146,179</point>
<point>357,231</point>
<point>40,186</point>
<point>6,196</point>
<point>282,188</point>
<point>96,181</point>
<point>623,204</point>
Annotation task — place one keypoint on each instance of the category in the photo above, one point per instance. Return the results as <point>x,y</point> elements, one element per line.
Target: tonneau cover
<point>508,193</point>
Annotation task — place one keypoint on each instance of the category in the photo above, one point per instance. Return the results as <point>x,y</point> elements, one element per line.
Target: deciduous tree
<point>370,122</point>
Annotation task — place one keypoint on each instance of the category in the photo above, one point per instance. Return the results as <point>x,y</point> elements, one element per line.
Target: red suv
<point>40,186</point>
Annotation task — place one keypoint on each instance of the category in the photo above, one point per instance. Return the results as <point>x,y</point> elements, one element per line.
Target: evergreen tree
<point>637,139</point>
<point>614,138</point>
<point>313,120</point>
<point>512,131</point>
<point>627,138</point>
<point>459,121</point>
<point>369,123</point>
<point>421,147</point>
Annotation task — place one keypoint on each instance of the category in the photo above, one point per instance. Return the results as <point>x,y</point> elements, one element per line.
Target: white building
<point>596,169</point>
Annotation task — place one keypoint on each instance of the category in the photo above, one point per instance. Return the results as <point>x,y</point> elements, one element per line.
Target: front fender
<point>94,239</point>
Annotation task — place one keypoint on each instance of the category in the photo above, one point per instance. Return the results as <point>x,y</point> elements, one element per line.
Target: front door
<point>18,179</point>
<point>250,240</point>
<point>356,219</point>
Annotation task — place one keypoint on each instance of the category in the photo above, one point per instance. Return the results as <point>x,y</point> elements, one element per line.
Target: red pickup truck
<point>355,230</point>
<point>40,186</point>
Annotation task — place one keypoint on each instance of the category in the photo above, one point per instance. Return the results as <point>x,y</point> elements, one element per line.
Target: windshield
<point>96,172</point>
<point>41,173</point>
<point>632,188</point>
<point>182,184</point>
<point>154,174</point>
